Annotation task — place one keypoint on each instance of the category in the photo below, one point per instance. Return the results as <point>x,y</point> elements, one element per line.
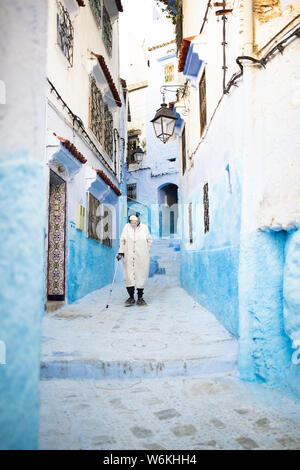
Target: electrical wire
<point>279,47</point>
<point>77,119</point>
<point>205,16</point>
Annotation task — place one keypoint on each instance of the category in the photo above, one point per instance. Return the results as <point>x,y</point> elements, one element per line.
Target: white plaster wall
<point>21,116</point>
<point>266,28</point>
<point>276,142</point>
<point>256,125</point>
<point>72,82</point>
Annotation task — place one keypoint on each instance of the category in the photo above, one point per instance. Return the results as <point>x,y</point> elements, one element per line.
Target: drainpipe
<point>246,364</point>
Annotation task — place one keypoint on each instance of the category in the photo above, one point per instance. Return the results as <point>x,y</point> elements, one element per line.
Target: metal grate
<point>133,143</point>
<point>108,132</point>
<point>202,98</point>
<point>131,191</point>
<point>183,151</point>
<point>65,32</point>
<point>106,226</point>
<point>96,9</point>
<point>93,218</point>
<point>96,116</point>
<point>107,31</point>
<point>206,208</point>
<point>99,222</point>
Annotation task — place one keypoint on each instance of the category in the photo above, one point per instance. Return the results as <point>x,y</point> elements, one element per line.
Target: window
<point>183,151</point>
<point>106,226</point>
<point>96,9</point>
<point>202,98</point>
<point>93,218</point>
<point>190,223</point>
<point>96,117</point>
<point>108,132</point>
<point>99,222</point>
<point>169,73</point>
<point>65,32</point>
<point>133,143</point>
<point>100,119</point>
<point>107,31</point>
<point>206,208</point>
<point>131,191</point>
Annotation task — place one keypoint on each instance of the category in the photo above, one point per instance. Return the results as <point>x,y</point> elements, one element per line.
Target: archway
<point>168,210</point>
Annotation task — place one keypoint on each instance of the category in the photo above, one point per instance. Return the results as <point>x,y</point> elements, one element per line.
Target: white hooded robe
<point>135,244</point>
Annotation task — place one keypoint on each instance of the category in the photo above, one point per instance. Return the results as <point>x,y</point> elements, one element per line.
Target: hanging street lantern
<point>165,120</point>
<point>164,123</point>
<point>138,155</point>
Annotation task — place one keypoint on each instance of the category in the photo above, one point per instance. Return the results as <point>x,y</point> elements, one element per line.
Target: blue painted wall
<point>90,264</point>
<point>210,265</point>
<point>211,277</point>
<point>22,216</point>
<point>250,282</point>
<point>265,349</point>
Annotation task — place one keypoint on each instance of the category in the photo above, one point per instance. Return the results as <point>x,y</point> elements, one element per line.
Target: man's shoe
<point>130,301</point>
<point>141,301</point>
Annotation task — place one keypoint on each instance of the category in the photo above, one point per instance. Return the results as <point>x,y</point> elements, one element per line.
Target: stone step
<point>96,369</point>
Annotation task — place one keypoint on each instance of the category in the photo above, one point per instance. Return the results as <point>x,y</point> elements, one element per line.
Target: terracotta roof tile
<point>184,48</point>
<point>109,79</point>
<point>72,149</point>
<point>108,182</point>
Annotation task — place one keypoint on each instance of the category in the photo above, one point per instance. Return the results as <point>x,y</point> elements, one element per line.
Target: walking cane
<point>111,288</point>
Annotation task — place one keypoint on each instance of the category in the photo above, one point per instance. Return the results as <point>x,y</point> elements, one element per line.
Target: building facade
<point>86,146</point>
<point>152,184</point>
<point>239,176</point>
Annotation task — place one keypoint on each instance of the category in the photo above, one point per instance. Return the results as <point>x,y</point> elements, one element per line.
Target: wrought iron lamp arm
<point>180,89</point>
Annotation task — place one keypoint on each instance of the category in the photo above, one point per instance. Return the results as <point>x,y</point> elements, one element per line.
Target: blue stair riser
<point>116,370</point>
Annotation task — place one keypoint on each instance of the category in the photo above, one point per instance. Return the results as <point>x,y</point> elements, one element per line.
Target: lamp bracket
<point>180,90</point>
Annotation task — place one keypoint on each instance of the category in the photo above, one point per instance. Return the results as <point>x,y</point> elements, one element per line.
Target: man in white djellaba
<point>135,243</point>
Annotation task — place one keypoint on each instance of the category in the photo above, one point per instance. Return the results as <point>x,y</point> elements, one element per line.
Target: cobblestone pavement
<point>173,413</point>
<point>157,377</point>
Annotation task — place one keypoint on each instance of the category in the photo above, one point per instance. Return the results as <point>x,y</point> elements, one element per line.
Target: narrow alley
<point>162,376</point>
<point>150,226</point>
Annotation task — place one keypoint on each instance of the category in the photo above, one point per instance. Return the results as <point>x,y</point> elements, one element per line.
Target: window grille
<point>131,191</point>
<point>106,226</point>
<point>65,32</point>
<point>133,143</point>
<point>96,117</point>
<point>96,9</point>
<point>190,223</point>
<point>202,98</point>
<point>206,208</point>
<point>108,131</point>
<point>107,31</point>
<point>169,73</point>
<point>99,222</point>
<point>93,218</point>
<point>183,151</point>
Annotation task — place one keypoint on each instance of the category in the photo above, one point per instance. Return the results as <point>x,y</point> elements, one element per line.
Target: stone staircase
<point>166,252</point>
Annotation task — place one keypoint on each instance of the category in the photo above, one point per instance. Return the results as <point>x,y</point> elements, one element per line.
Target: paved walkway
<point>157,377</point>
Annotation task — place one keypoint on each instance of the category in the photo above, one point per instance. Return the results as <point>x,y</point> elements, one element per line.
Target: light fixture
<point>138,155</point>
<point>164,120</point>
